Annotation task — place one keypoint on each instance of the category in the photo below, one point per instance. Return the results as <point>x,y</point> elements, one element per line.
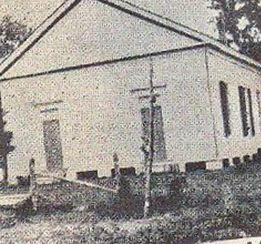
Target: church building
<point>76,93</point>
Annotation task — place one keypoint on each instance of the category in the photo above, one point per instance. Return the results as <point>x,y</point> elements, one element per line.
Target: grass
<point>81,226</point>
<point>213,206</point>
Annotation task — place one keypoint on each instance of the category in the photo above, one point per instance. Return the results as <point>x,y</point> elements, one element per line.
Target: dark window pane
<point>225,108</point>
<point>251,112</point>
<point>242,100</point>
<point>259,106</point>
<point>159,140</point>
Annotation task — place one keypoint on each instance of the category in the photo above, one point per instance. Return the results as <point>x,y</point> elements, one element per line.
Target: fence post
<point>116,169</point>
<point>32,183</point>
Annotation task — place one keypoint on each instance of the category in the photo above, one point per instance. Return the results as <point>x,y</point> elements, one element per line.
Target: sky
<point>194,14</point>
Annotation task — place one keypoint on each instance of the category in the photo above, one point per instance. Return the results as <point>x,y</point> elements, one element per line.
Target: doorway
<point>53,145</point>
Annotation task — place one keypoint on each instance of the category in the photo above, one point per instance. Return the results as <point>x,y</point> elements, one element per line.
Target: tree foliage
<point>5,144</point>
<point>239,25</point>
<point>12,34</point>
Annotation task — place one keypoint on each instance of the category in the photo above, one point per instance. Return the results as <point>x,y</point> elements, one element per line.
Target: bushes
<point>189,226</point>
<point>224,189</point>
<point>10,215</point>
<point>124,190</point>
<point>185,228</point>
<point>213,206</point>
<point>177,186</point>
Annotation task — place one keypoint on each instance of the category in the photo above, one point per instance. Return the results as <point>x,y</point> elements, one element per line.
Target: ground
<point>218,205</point>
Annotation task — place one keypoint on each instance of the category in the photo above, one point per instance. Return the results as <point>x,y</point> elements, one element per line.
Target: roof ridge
<point>166,18</point>
<point>203,36</point>
<point>125,6</point>
<point>53,18</point>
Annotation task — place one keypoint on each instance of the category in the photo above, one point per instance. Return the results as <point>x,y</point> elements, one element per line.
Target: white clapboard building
<point>75,93</point>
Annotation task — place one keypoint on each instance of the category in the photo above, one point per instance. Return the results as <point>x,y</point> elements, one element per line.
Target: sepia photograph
<point>130,121</point>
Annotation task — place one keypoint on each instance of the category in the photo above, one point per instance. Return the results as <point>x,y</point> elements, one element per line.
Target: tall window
<point>243,109</point>
<point>252,123</point>
<point>225,108</point>
<point>259,106</point>
<point>246,108</point>
<point>159,140</point>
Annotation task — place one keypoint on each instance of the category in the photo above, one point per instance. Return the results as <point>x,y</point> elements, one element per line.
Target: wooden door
<point>52,145</point>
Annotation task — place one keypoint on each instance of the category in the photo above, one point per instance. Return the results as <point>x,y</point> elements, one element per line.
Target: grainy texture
<point>120,124</point>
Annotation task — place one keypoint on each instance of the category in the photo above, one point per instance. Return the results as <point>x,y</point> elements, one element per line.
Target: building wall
<point>99,115</point>
<point>234,74</point>
<point>99,33</point>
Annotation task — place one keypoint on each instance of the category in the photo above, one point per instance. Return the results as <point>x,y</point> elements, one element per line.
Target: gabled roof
<point>133,10</point>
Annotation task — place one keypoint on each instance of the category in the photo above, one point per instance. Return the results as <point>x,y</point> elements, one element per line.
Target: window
<point>246,108</point>
<point>251,112</point>
<point>225,108</point>
<point>159,140</point>
<point>259,106</point>
<point>243,109</point>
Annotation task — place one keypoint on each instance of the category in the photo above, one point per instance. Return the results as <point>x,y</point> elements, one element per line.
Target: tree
<point>238,24</point>
<point>12,34</point>
<point>148,145</point>
<point>5,144</point>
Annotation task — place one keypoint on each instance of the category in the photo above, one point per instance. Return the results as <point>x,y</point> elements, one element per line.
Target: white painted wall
<point>222,68</point>
<point>92,32</point>
<point>99,115</point>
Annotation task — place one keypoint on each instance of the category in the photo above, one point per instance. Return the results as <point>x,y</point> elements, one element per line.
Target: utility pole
<point>149,165</point>
<point>149,152</point>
